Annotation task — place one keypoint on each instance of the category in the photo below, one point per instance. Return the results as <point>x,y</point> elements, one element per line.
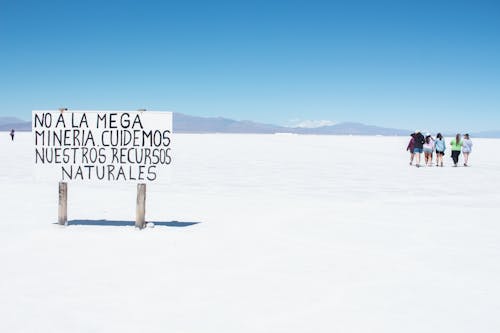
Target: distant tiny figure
<point>12,134</point>
<point>456,148</point>
<point>419,144</point>
<point>410,147</point>
<point>466,148</point>
<point>440,146</point>
<point>428,149</point>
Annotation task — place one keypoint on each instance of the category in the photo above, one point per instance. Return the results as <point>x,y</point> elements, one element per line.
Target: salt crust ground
<point>297,234</point>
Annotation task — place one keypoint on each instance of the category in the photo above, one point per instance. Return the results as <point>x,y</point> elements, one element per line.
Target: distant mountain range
<point>8,123</point>
<point>487,134</point>
<point>191,124</point>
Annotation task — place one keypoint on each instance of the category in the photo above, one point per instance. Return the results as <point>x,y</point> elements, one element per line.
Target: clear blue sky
<point>405,64</point>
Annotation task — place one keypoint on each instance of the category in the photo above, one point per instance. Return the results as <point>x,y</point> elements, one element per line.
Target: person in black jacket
<point>12,134</point>
<point>419,146</point>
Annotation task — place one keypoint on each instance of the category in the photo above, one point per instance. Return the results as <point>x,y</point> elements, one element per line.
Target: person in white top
<point>428,149</point>
<point>466,148</point>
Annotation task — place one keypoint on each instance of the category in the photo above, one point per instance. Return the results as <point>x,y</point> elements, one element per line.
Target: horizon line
<point>270,124</point>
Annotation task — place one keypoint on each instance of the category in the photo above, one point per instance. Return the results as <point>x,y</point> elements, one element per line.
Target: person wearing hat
<point>418,147</point>
<point>466,148</point>
<point>411,147</point>
<point>456,147</point>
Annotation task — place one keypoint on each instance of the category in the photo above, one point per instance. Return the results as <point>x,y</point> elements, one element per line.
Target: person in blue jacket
<point>440,146</point>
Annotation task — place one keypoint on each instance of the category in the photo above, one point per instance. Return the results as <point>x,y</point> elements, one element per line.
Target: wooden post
<point>63,203</point>
<point>140,215</point>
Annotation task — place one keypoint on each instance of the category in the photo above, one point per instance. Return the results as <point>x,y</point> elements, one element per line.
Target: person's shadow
<point>116,223</point>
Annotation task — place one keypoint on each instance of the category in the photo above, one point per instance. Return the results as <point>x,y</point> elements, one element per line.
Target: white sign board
<point>102,146</point>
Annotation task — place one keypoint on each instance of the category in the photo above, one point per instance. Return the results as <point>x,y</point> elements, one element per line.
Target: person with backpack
<point>466,148</point>
<point>456,147</point>
<point>410,147</point>
<point>418,146</point>
<point>428,147</point>
<point>12,134</point>
<point>440,146</point>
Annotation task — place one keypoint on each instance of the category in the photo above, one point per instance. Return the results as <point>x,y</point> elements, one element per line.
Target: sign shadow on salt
<point>116,223</point>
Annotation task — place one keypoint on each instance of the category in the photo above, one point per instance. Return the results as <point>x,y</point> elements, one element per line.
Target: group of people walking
<point>428,145</point>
